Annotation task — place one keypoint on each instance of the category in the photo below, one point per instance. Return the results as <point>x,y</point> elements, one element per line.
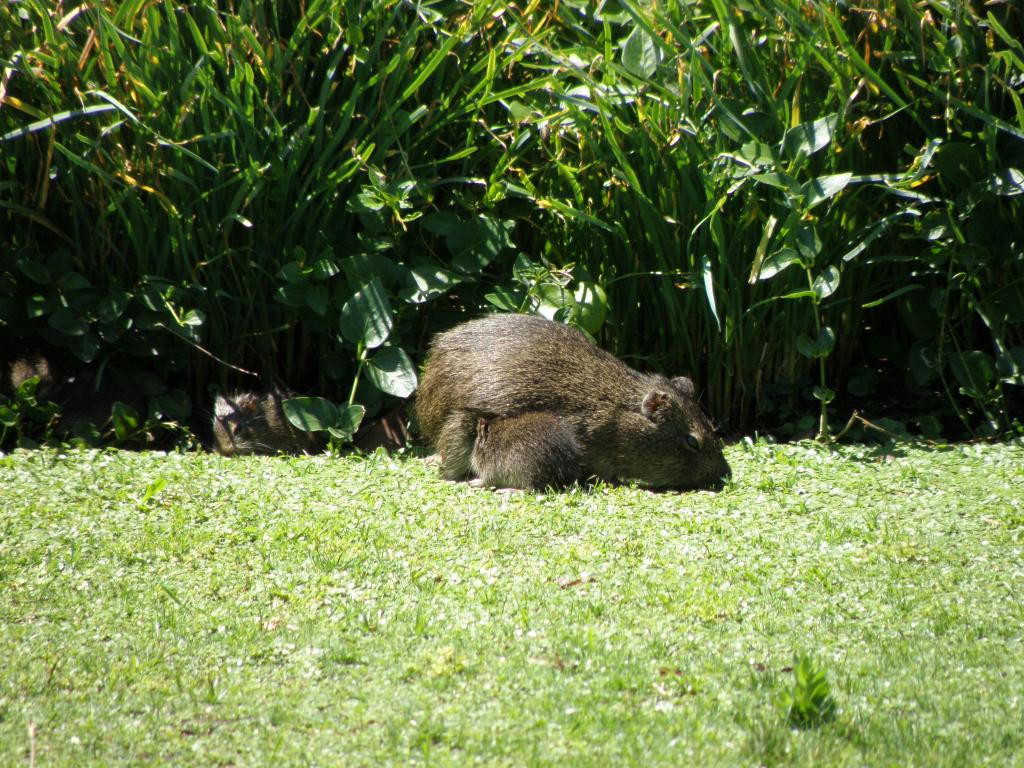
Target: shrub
<point>794,201</point>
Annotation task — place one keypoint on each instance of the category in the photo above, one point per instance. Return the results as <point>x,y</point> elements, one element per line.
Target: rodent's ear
<point>655,402</point>
<point>222,407</point>
<point>684,385</point>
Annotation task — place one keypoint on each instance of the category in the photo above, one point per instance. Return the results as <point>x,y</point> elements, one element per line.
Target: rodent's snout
<point>719,471</point>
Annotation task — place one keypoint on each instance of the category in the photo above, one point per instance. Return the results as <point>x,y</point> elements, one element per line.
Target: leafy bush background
<point>790,200</point>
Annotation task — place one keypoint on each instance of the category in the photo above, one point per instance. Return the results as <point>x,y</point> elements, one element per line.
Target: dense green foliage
<point>790,200</point>
<point>842,607</point>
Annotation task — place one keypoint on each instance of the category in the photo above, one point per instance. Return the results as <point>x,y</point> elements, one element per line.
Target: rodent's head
<point>678,445</point>
<point>240,425</point>
<point>33,365</point>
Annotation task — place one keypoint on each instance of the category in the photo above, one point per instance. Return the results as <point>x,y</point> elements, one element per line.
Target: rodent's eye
<point>691,443</point>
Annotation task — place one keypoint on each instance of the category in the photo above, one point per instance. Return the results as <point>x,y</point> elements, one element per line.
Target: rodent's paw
<point>432,460</point>
<point>478,482</point>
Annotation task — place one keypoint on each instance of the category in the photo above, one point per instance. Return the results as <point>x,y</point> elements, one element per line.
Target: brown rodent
<point>255,423</point>
<point>83,397</point>
<point>27,366</point>
<point>558,408</point>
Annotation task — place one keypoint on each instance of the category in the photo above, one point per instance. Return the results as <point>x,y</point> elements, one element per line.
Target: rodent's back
<point>505,364</point>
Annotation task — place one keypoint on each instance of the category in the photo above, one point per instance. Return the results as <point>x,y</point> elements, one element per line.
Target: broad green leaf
<point>72,281</point>
<point>777,262</point>
<point>193,318</point>
<point>325,268</point>
<point>826,283</point>
<point>316,299</point>
<point>477,242</point>
<point>125,419</point>
<point>1007,182</point>
<point>292,294</point>
<point>367,316</point>
<point>292,273</point>
<point>641,54</point>
<point>807,242</point>
<point>310,414</point>
<point>592,306</point>
<point>519,111</point>
<point>37,305</point>
<point>960,163</point>
<point>1010,365</point>
<point>174,405</point>
<point>820,347</point>
<point>824,394</point>
<point>349,419</point>
<point>824,187</point>
<point>808,138</point>
<point>7,416</point>
<point>554,296</point>
<point>826,342</point>
<point>804,345</point>
<point>367,200</point>
<point>427,281</point>
<point>779,181</point>
<point>506,300</point>
<point>113,330</point>
<point>34,271</point>
<point>757,154</point>
<point>974,370</point>
<point>85,347</point>
<point>443,223</point>
<point>68,322</point>
<point>392,371</point>
<point>112,306</point>
<point>27,389</point>
<point>361,268</point>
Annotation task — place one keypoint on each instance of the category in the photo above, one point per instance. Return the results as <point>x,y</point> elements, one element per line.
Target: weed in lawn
<point>809,702</point>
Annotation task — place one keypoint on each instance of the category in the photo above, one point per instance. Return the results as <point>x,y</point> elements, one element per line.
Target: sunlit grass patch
<point>178,608</point>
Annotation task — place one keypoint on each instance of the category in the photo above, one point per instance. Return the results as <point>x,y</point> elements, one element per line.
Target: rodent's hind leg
<point>455,444</point>
<point>529,450</point>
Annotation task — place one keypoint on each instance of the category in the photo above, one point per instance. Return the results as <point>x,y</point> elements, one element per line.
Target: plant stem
<point>823,415</point>
<point>361,356</point>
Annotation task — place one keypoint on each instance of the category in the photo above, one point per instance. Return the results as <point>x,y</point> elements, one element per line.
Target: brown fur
<point>557,406</point>
<point>255,423</point>
<point>532,450</point>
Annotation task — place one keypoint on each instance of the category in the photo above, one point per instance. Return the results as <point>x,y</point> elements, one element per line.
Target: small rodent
<point>33,364</point>
<point>84,398</point>
<point>530,402</point>
<point>255,423</point>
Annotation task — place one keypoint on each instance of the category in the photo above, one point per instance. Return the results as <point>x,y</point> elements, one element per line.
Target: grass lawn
<point>190,609</point>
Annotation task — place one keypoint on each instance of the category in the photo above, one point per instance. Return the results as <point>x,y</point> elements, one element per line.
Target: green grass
<point>187,609</point>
